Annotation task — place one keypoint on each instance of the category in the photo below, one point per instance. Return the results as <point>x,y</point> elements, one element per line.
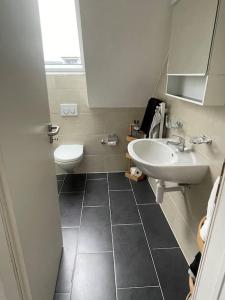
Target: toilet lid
<point>65,153</point>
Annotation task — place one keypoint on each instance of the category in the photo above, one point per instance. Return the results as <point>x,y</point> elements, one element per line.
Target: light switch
<point>68,110</point>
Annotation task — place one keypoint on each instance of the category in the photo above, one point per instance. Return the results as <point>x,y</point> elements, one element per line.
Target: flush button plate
<point>68,110</point>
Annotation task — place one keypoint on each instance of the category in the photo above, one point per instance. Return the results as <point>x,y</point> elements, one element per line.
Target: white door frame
<point>11,236</point>
<point>210,283</point>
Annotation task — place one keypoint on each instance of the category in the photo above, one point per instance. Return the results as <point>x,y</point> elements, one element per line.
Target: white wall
<point>125,45</point>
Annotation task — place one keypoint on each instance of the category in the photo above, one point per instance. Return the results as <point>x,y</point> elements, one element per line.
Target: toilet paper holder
<point>111,140</point>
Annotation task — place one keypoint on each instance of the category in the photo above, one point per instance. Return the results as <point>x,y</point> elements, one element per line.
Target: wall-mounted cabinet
<point>202,90</point>
<point>191,37</point>
<point>196,67</point>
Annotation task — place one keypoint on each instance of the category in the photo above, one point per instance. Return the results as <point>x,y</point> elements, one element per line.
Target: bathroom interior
<point>136,95</point>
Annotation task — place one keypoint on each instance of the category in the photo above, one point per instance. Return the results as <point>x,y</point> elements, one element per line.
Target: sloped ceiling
<point>125,45</point>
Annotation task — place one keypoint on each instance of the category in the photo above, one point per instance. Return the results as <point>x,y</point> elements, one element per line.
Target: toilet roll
<point>135,171</point>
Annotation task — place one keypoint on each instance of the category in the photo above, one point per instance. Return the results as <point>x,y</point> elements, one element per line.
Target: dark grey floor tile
<point>123,207</point>
<point>59,185</point>
<point>134,266</point>
<point>96,193</point>
<point>172,271</point>
<point>62,297</point>
<point>94,277</point>
<point>95,230</point>
<point>157,228</point>
<point>74,183</point>
<point>61,176</point>
<point>97,176</point>
<point>70,208</point>
<point>143,192</point>
<point>118,181</point>
<point>152,293</point>
<point>64,282</point>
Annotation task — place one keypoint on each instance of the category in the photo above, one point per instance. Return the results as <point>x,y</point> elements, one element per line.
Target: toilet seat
<point>68,153</point>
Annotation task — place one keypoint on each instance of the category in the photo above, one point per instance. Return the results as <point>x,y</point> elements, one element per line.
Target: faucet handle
<point>201,140</point>
<point>181,139</point>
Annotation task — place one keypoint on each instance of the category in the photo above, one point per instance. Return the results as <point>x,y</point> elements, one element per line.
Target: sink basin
<point>161,161</point>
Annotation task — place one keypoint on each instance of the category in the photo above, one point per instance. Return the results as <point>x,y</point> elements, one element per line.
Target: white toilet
<point>68,156</point>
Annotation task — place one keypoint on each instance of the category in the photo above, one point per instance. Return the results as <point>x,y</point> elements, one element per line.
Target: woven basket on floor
<point>188,296</point>
<point>200,242</point>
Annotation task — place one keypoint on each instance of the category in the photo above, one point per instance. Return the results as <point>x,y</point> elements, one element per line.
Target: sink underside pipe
<point>161,188</point>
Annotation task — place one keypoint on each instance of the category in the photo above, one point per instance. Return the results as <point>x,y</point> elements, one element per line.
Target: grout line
<point>139,287</point>
<point>143,204</point>
<point>166,248</point>
<point>114,172</point>
<point>97,252</point>
<point>134,224</point>
<point>73,192</point>
<point>148,243</point>
<point>130,190</point>
<point>62,184</point>
<point>57,176</point>
<point>101,172</point>
<point>70,227</point>
<point>97,179</point>
<point>81,215</point>
<point>97,206</point>
<point>113,252</point>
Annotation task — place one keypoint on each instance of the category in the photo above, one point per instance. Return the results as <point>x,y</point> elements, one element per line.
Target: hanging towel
<point>194,266</point>
<point>210,209</point>
<point>149,115</point>
<point>155,127</point>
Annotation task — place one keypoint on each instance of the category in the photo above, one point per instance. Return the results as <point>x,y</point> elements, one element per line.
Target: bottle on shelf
<point>135,129</point>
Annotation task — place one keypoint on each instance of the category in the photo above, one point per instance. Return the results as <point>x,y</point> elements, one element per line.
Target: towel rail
<point>163,112</point>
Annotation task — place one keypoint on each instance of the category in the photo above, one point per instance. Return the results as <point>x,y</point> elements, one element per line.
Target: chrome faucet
<point>180,143</point>
<point>201,140</point>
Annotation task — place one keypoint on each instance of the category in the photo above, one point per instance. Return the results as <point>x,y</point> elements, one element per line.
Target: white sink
<point>161,161</point>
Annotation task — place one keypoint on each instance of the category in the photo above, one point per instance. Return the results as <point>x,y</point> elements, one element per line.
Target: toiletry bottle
<point>136,129</point>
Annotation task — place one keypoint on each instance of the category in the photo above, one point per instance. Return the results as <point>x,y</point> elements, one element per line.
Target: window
<point>60,35</point>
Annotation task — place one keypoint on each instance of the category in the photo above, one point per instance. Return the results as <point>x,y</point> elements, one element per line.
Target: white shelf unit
<point>190,88</point>
<point>199,89</point>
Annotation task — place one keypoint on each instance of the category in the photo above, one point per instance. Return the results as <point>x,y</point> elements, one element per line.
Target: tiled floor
<point>117,242</point>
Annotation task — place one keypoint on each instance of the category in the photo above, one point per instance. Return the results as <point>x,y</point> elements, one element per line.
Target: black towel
<point>149,115</point>
<point>195,264</point>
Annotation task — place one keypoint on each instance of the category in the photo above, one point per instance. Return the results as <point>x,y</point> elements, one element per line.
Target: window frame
<point>79,68</point>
